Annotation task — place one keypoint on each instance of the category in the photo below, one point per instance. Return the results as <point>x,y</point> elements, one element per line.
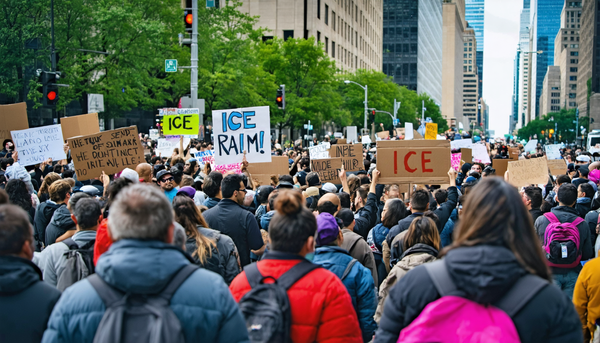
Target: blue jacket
<point>203,303</point>
<point>359,284</point>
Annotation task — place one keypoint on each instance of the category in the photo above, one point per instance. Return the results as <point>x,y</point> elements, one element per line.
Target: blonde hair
<point>48,180</point>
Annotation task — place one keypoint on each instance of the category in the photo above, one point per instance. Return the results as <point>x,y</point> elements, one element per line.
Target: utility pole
<point>576,125</point>
<point>365,125</point>
<point>53,54</point>
<point>194,71</point>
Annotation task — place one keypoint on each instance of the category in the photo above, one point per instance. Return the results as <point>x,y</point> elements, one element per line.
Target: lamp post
<point>365,88</point>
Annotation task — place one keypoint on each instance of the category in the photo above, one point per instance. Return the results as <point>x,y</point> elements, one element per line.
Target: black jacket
<point>483,274</point>
<point>443,212</point>
<point>43,215</point>
<point>535,213</point>
<point>366,217</point>
<point>592,219</point>
<point>26,301</point>
<point>60,223</point>
<point>234,221</point>
<point>403,225</point>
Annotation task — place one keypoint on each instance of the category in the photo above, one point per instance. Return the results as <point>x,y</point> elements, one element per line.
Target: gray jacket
<point>228,254</point>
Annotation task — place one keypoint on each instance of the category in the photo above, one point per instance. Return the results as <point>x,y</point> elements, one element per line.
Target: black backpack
<point>140,317</point>
<point>80,263</point>
<point>266,307</point>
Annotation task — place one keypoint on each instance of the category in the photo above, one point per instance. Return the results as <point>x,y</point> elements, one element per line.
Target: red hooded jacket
<point>103,241</point>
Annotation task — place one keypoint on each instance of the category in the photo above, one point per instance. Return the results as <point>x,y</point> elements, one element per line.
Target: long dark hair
<point>189,216</point>
<point>395,212</point>
<point>18,194</point>
<point>501,218</point>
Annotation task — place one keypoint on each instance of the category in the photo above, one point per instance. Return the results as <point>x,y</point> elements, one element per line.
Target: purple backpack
<point>454,319</point>
<point>561,242</point>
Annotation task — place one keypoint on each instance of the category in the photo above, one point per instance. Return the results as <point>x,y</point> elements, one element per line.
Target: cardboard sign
<point>351,134</point>
<point>181,124</point>
<point>399,132</point>
<point>553,151</point>
<point>166,146</point>
<point>513,153</point>
<point>108,151</point>
<point>466,156</point>
<point>557,167</point>
<point>527,172</point>
<point>328,169</point>
<point>409,131</point>
<point>262,172</point>
<point>13,117</point>
<point>319,151</point>
<point>425,161</point>
<point>431,131</point>
<point>39,144</point>
<point>480,154</point>
<point>351,154</point>
<point>83,125</point>
<point>461,143</point>
<point>383,134</point>
<point>501,166</point>
<point>365,140</point>
<point>455,161</point>
<point>417,135</point>
<point>341,141</point>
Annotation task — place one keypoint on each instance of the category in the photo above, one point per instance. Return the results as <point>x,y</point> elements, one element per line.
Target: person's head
<point>488,171</point>
<point>60,191</point>
<point>233,188</point>
<point>440,195</point>
<point>179,236</point>
<point>18,194</point>
<point>58,168</point>
<point>3,197</point>
<point>361,197</point>
<point>419,200</point>
<point>144,170</point>
<point>584,171</point>
<point>477,168</point>
<point>68,174</point>
<point>189,216</point>
<point>293,227</point>
<point>329,203</point>
<point>567,194</point>
<point>585,190</point>
<point>422,230</point>
<point>346,219</point>
<point>304,163</point>
<point>262,194</point>
<point>74,199</point>
<point>16,233</point>
<point>328,231</point>
<point>186,180</point>
<point>8,145</point>
<point>177,172</point>
<point>532,197</point>
<point>271,200</point>
<point>563,179</point>
<point>87,214</point>
<point>391,191</point>
<point>212,184</point>
<point>313,180</point>
<point>165,180</point>
<point>344,199</point>
<point>48,180</point>
<point>142,212</point>
<point>393,211</point>
<point>500,219</point>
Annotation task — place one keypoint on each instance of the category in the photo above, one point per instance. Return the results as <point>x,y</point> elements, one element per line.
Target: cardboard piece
<point>501,166</point>
<point>557,167</point>
<point>341,141</point>
<point>431,131</point>
<point>466,156</point>
<point>513,153</point>
<point>383,134</point>
<point>527,172</point>
<point>417,135</point>
<point>108,151</point>
<point>426,161</point>
<point>351,154</point>
<point>83,125</point>
<point>328,169</point>
<point>181,124</point>
<point>262,172</point>
<point>39,144</point>
<point>13,117</point>
<point>319,151</point>
<point>399,131</point>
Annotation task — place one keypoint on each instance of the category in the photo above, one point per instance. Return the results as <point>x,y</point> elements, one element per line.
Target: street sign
<point>210,3</point>
<point>170,66</point>
<point>396,121</point>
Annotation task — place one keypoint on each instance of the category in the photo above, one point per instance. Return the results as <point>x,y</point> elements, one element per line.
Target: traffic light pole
<point>194,69</point>
<point>53,55</point>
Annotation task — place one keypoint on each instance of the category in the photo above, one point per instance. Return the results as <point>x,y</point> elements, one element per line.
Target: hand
<point>452,176</point>
<point>244,163</point>
<point>342,173</point>
<point>376,175</point>
<point>105,179</point>
<point>15,156</point>
<point>506,176</point>
<point>66,148</point>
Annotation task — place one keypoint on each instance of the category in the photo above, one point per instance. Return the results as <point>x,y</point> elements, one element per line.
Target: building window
<point>555,101</point>
<point>574,53</point>
<point>326,14</point>
<point>574,61</point>
<point>287,34</point>
<point>326,45</point>
<point>318,9</point>
<point>572,95</point>
<point>465,56</point>
<point>573,78</point>
<point>318,36</point>
<point>573,87</point>
<point>333,19</point>
<point>333,49</point>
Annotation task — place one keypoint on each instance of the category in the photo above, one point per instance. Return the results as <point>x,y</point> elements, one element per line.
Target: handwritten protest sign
<point>480,154</point>
<point>39,144</point>
<point>262,172</point>
<point>466,155</point>
<point>328,169</point>
<point>553,151</point>
<point>166,146</point>
<point>461,143</point>
<point>431,131</point>
<point>526,172</point>
<point>181,124</point>
<point>424,161</point>
<point>204,157</point>
<point>153,134</point>
<point>319,151</point>
<point>83,125</point>
<point>455,161</point>
<point>383,134</point>
<point>13,117</point>
<point>513,153</point>
<point>226,168</point>
<point>108,151</point>
<point>239,130</point>
<point>557,167</point>
<point>351,154</point>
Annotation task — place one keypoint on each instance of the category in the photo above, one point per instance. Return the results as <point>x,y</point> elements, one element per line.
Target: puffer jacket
<point>25,301</point>
<point>482,273</point>
<point>586,297</point>
<point>321,307</point>
<point>43,215</point>
<point>60,223</point>
<point>225,253</point>
<point>202,304</point>
<point>413,257</point>
<point>358,282</point>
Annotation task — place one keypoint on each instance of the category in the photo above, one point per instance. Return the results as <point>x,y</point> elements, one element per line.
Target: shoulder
<point>213,290</point>
<point>80,298</point>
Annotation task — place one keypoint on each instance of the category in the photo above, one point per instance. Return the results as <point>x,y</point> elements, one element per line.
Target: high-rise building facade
<point>475,16</point>
<point>351,30</point>
<point>588,76</point>
<point>470,77</point>
<point>514,113</point>
<point>566,53</point>
<point>550,94</point>
<point>412,45</point>
<point>524,69</point>
<point>452,61</point>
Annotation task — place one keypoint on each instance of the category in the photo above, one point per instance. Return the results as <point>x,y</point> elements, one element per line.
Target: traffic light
<point>188,16</point>
<point>50,88</point>
<point>280,99</point>
<point>373,116</point>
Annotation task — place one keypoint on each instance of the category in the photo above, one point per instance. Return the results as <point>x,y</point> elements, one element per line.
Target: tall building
<point>524,69</point>
<point>350,30</point>
<point>470,77</point>
<point>514,115</point>
<point>475,16</point>
<point>550,94</point>
<point>566,53</point>
<point>452,72</point>
<point>544,25</point>
<point>412,45</point>
<point>588,76</point>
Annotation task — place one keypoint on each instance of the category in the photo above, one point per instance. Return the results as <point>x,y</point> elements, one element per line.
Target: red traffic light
<point>373,113</point>
<point>51,95</point>
<point>189,18</point>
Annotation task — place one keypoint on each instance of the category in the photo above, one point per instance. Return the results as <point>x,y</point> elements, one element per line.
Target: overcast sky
<point>501,36</point>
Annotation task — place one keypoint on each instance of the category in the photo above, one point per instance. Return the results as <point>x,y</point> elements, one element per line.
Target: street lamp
<point>365,88</point>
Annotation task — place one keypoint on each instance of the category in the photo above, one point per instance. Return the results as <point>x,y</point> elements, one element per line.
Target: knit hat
<point>187,190</point>
<point>329,188</point>
<point>327,229</point>
<point>311,192</point>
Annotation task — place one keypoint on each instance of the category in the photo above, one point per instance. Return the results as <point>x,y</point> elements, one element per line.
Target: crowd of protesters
<point>174,251</point>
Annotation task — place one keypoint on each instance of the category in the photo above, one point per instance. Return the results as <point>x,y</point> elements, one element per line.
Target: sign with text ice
<point>242,130</point>
<point>39,144</point>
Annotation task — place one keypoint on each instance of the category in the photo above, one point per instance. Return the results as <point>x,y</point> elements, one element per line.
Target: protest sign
<point>461,143</point>
<point>455,161</point>
<point>431,131</point>
<point>399,132</point>
<point>204,157</point>
<point>242,130</point>
<point>480,154</point>
<point>351,154</point>
<point>351,134</point>
<point>226,168</point>
<point>526,172</point>
<point>513,153</point>
<point>531,145</point>
<point>365,140</point>
<point>262,172</point>
<point>83,125</point>
<point>557,167</point>
<point>425,161</point>
<point>39,144</point>
<point>108,151</point>
<point>319,151</point>
<point>501,166</point>
<point>181,124</point>
<point>328,169</point>
<point>166,146</point>
<point>417,135</point>
<point>13,117</point>
<point>341,141</point>
<point>408,131</point>
<point>153,134</point>
<point>466,156</point>
<point>383,134</point>
<point>553,151</point>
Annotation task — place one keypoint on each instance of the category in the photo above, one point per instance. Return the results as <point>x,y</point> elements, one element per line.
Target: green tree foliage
<point>564,124</point>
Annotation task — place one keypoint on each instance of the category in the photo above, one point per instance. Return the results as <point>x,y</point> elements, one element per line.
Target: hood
<point>17,274</point>
<point>62,218</point>
<point>484,272</point>
<point>420,248</point>
<point>584,200</point>
<point>376,236</point>
<point>415,259</point>
<point>565,213</point>
<point>143,267</point>
<point>265,219</point>
<point>49,207</point>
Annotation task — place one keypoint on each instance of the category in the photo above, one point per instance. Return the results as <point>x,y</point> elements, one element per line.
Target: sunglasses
<point>243,190</point>
<point>167,179</point>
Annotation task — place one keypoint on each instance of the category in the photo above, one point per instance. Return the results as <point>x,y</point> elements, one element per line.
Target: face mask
<point>310,256</point>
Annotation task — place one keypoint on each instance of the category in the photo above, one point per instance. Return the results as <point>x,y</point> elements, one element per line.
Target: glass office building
<point>474,14</point>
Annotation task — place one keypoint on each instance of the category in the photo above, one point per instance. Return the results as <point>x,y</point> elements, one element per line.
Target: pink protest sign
<point>455,161</point>
<point>224,168</point>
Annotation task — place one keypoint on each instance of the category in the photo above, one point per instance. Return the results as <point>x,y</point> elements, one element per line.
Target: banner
<point>351,154</point>
<point>262,172</point>
<point>108,151</point>
<point>431,131</point>
<point>328,169</point>
<point>526,172</point>
<point>424,161</point>
<point>39,144</point>
<point>166,146</point>
<point>83,125</point>
<point>242,130</point>
<point>553,151</point>
<point>319,151</point>
<point>557,167</point>
<point>13,117</point>
<point>480,154</point>
<point>181,124</point>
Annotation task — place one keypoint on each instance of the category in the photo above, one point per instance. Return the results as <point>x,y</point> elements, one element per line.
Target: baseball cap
<point>187,190</point>
<point>285,184</point>
<point>312,179</point>
<point>329,188</point>
<point>327,229</point>
<point>162,173</point>
<point>130,174</point>
<point>311,192</point>
<point>583,158</point>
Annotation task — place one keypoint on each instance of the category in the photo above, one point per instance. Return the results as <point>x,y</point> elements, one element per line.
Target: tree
<point>564,125</point>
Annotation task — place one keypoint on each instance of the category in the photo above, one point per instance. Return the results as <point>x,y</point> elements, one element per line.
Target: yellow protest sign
<point>431,131</point>
<point>181,124</point>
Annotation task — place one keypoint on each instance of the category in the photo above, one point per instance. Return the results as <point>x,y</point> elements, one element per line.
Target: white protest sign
<point>39,144</point>
<point>242,130</point>
<point>461,143</point>
<point>408,131</point>
<point>351,134</point>
<point>553,151</point>
<point>319,151</point>
<point>153,134</point>
<point>531,145</point>
<point>480,153</point>
<point>166,146</point>
<point>204,157</point>
<point>365,140</point>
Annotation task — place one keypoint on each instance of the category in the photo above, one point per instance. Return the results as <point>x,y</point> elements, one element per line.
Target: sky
<point>501,36</point>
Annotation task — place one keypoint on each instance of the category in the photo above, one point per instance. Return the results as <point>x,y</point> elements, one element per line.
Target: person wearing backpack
<point>142,272</point>
<point>307,303</point>
<point>61,262</point>
<point>565,238</point>
<point>494,251</point>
